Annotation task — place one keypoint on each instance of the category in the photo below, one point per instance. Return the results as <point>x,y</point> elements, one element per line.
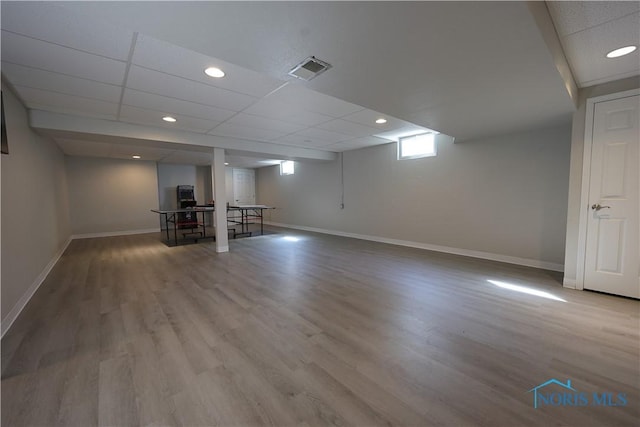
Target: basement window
<point>417,146</point>
<point>287,168</point>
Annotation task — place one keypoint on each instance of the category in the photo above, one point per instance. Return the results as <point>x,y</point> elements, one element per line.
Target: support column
<point>220,197</point>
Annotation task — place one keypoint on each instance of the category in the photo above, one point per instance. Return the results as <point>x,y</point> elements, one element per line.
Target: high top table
<point>171,216</point>
<point>248,215</point>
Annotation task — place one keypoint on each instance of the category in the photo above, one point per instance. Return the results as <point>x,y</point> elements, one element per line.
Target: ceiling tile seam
<point>249,126</point>
<point>285,122</point>
<point>600,24</point>
<point>618,76</point>
<point>66,94</point>
<point>259,141</point>
<point>306,127</point>
<point>298,131</point>
<point>165,127</point>
<point>177,99</point>
<point>337,132</point>
<point>285,144</point>
<point>59,73</point>
<point>282,144</point>
<point>70,112</point>
<point>378,130</point>
<point>124,104</point>
<point>65,46</point>
<point>134,40</point>
<point>264,117</point>
<point>248,106</point>
<point>194,81</point>
<point>270,118</point>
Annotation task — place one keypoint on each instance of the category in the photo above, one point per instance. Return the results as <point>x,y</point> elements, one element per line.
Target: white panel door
<point>244,186</point>
<point>612,256</point>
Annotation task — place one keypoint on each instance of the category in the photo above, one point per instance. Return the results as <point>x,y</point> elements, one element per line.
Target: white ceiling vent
<point>309,68</point>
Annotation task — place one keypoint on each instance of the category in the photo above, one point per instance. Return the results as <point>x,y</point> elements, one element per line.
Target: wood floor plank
<point>322,331</point>
<point>116,395</point>
<point>79,399</point>
<point>152,395</point>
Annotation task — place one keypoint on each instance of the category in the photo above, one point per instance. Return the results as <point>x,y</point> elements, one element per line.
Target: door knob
<point>597,207</point>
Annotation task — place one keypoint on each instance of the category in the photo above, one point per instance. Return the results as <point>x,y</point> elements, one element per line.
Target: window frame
<point>282,168</point>
<point>421,155</point>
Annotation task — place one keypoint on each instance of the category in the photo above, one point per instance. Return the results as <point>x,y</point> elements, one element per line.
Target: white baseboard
<point>569,283</point>
<point>13,314</point>
<point>8,320</point>
<point>221,249</point>
<point>445,249</point>
<point>115,233</point>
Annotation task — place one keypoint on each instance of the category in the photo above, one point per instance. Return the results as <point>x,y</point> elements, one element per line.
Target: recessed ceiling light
<point>226,163</point>
<point>136,157</point>
<point>381,121</point>
<point>621,51</point>
<point>214,72</point>
<point>169,119</point>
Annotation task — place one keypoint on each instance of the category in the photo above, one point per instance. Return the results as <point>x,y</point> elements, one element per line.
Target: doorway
<point>612,192</point>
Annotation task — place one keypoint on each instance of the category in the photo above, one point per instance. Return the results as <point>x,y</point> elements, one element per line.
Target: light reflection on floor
<point>525,290</point>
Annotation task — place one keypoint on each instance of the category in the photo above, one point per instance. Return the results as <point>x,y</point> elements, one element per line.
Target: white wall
<point>204,189</point>
<point>503,195</point>
<point>172,175</point>
<point>35,213</point>
<point>575,180</point>
<point>111,195</point>
<point>169,177</point>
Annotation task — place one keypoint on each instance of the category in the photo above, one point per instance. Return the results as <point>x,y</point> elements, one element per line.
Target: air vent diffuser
<point>309,68</point>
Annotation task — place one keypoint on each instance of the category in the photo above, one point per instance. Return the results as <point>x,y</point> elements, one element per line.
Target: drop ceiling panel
<point>152,53</point>
<point>323,135</point>
<point>250,162</point>
<point>52,101</point>
<point>172,106</point>
<point>74,147</point>
<point>126,151</point>
<point>369,117</point>
<point>348,128</point>
<point>409,74</point>
<point>250,120</point>
<point>287,113</point>
<point>176,87</point>
<point>402,131</point>
<point>38,54</point>
<point>154,118</point>
<point>302,98</point>
<point>188,158</point>
<point>354,144</point>
<point>237,131</point>
<point>86,148</point>
<point>54,82</point>
<point>573,16</point>
<point>71,29</point>
<point>302,141</point>
<point>592,69</point>
<point>397,65</point>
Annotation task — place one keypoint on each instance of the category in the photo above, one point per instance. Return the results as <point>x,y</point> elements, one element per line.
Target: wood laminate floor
<point>324,330</point>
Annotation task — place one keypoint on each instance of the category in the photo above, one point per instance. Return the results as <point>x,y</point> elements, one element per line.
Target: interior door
<point>612,256</point>
<point>244,186</point>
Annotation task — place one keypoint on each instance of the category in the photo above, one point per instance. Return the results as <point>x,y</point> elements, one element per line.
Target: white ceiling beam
<point>63,124</point>
<point>548,31</point>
